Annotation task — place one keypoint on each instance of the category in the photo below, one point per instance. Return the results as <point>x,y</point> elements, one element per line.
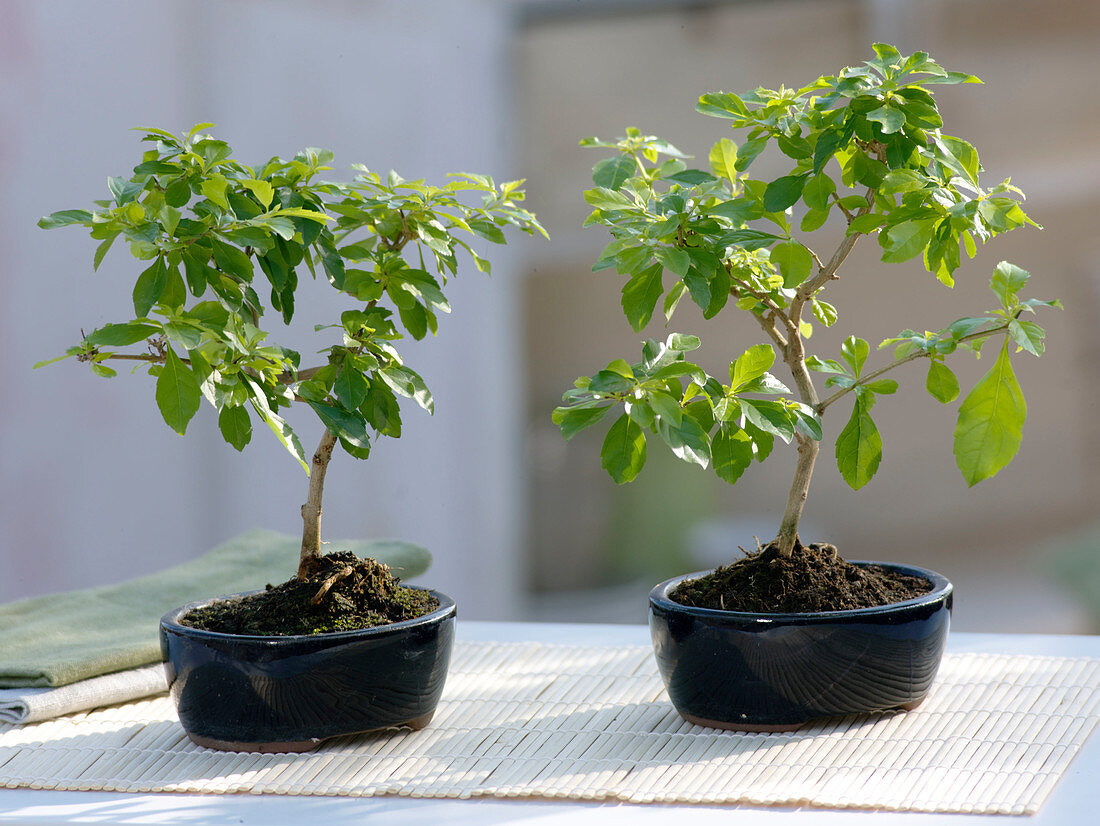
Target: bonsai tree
<point>865,158</point>
<point>224,246</point>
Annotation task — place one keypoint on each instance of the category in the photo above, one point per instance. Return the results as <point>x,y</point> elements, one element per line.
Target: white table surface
<point>1073,802</point>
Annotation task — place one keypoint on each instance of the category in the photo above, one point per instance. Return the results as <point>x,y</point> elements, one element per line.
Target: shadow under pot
<point>288,694</point>
<point>776,672</point>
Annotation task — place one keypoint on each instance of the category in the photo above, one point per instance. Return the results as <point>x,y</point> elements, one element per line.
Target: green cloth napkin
<point>62,638</point>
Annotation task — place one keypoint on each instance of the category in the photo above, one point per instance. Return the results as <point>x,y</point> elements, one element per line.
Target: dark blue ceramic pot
<point>774,672</point>
<point>277,694</point>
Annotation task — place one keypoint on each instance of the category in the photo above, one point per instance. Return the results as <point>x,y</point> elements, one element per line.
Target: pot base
<point>773,729</point>
<point>296,746</point>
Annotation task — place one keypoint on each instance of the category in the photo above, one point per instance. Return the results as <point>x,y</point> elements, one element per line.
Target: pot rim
<point>170,622</point>
<point>941,589</point>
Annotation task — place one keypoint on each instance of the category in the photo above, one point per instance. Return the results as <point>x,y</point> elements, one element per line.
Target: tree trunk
<point>788,530</point>
<point>795,357</point>
<point>311,510</point>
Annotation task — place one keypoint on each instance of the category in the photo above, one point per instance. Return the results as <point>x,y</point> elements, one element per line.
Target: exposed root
<point>326,586</point>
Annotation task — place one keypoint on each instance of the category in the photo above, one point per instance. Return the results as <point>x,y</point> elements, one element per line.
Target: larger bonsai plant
<point>865,157</point>
<point>225,247</point>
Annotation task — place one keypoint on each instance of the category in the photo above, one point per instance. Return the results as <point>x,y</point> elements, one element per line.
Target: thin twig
<point>820,407</point>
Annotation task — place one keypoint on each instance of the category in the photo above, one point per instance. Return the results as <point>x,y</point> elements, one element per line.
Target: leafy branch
<point>216,235</point>
<point>867,143</point>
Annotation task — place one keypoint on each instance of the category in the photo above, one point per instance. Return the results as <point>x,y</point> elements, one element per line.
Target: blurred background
<point>94,488</point>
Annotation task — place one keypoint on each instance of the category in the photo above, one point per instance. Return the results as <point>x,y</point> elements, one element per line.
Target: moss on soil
<point>360,593</point>
<point>813,578</point>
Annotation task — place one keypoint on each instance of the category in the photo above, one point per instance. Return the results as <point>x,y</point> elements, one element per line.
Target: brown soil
<point>814,578</point>
<point>342,593</point>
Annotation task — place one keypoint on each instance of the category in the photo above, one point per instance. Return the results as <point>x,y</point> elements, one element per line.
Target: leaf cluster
<point>702,420</point>
<point>225,244</point>
<point>864,148</point>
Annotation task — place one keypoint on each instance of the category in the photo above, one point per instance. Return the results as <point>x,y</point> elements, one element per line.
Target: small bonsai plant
<point>222,244</point>
<point>865,156</point>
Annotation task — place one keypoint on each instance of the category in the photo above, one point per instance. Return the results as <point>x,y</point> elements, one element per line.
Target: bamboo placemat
<point>531,720</point>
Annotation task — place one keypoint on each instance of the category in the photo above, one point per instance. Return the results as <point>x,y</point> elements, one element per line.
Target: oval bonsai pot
<point>777,672</point>
<point>278,694</point>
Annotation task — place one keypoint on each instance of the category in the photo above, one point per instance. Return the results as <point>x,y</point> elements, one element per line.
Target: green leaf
<point>185,336</point>
<point>855,351</point>
<point>891,118</point>
<point>214,189</point>
<point>572,420</point>
<point>683,343</point>
<point>610,381</point>
<point>350,428</point>
<point>723,159</point>
<point>488,230</point>
<point>640,296</point>
<point>195,268</point>
<point>688,440</point>
<point>624,451</point>
<point>351,386</point>
<point>991,422</point>
<point>770,417</point>
<point>174,293</point>
<point>722,105</point>
<point>942,385</point>
<point>149,287</point>
<point>905,240</point>
<point>177,193</point>
<point>102,249</point>
<point>263,190</point>
<point>783,193</point>
<point>817,191</point>
<point>283,432</point>
<point>676,261</point>
<point>231,260</point>
<point>1007,281</point>
<point>794,261</point>
<point>824,312</point>
<point>124,191</point>
<point>672,299</point>
<point>408,383</point>
<point>964,155</point>
<point>666,407</point>
<point>751,365</point>
<point>859,446</point>
<point>807,422</point>
<point>177,393</point>
<point>883,386</point>
<point>64,218</point>
<point>762,441</point>
<point>1028,335</point>
<point>121,335</point>
<point>825,148</point>
<point>606,199</point>
<point>820,365</point>
<point>330,258</point>
<point>813,219</point>
<point>865,224</point>
<point>731,452</point>
<point>236,426</point>
<point>612,173</point>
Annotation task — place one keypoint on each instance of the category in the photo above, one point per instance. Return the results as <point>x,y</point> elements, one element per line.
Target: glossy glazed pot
<point>775,672</point>
<point>277,694</point>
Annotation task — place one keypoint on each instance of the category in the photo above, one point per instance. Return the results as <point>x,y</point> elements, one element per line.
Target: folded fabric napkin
<point>64,638</point>
<point>30,705</point>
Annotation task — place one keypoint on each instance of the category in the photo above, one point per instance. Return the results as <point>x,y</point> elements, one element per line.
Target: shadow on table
<point>513,753</point>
